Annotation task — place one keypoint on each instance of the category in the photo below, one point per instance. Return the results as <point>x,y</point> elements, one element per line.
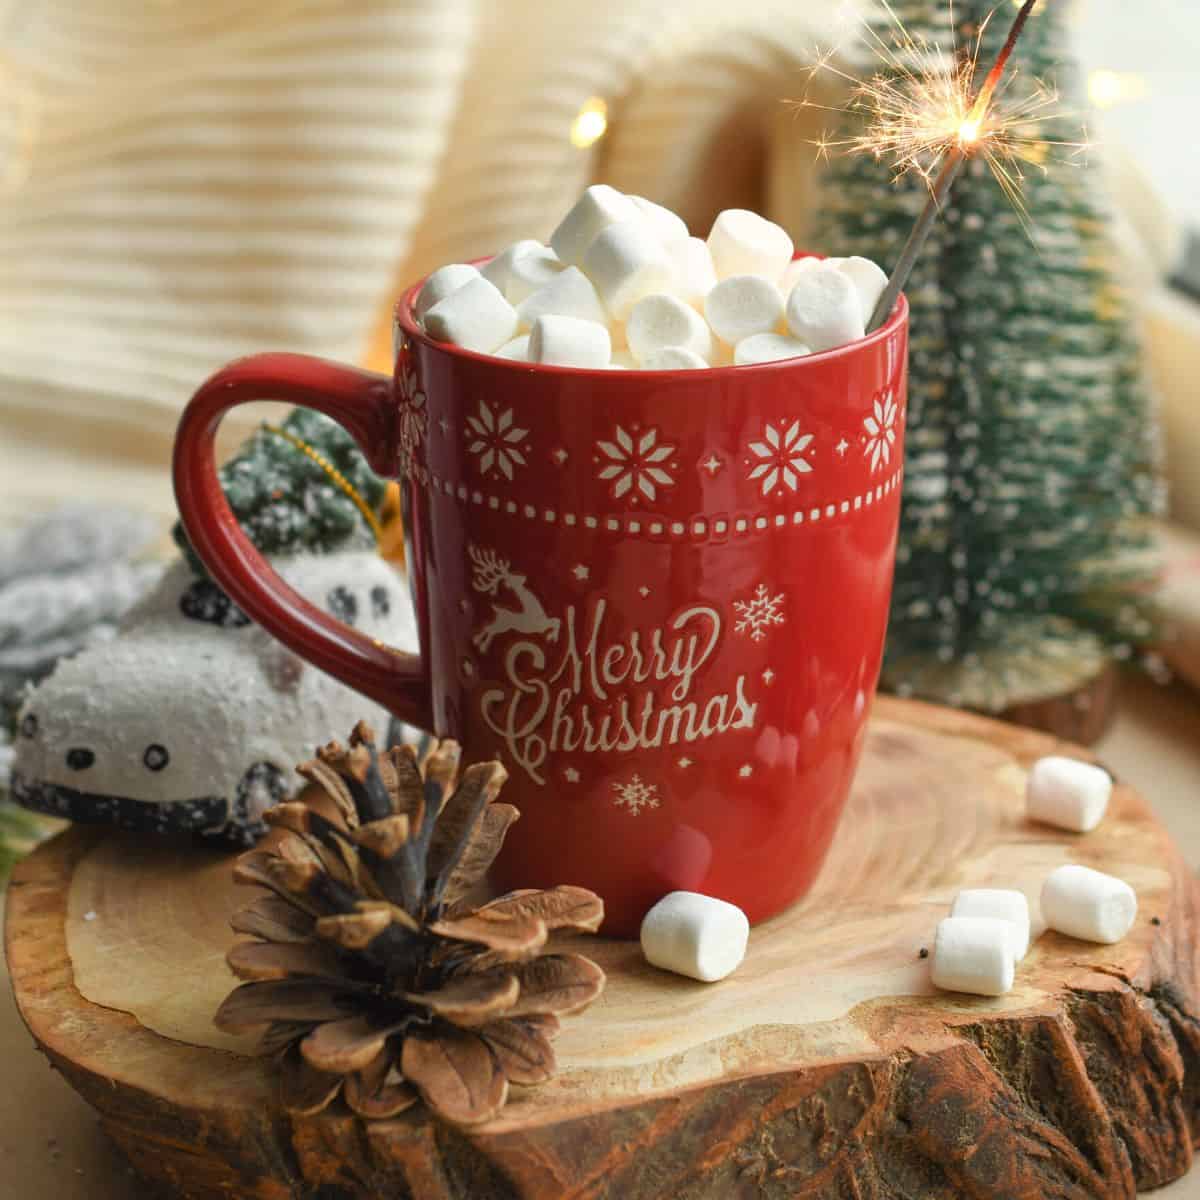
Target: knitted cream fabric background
<point>182,183</point>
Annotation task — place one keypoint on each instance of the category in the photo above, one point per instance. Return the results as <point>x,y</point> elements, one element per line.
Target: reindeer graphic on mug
<point>492,572</point>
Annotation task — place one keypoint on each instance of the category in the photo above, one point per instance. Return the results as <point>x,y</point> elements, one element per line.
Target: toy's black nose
<point>79,758</point>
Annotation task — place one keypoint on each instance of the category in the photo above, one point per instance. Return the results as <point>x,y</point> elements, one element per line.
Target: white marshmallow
<point>474,316</point>
<point>441,284</point>
<point>1005,904</point>
<point>767,347</point>
<point>794,270</point>
<point>1067,793</point>
<point>660,320</point>
<point>622,360</point>
<point>973,954</point>
<point>517,349</point>
<point>500,268</point>
<point>569,294</point>
<point>668,227</point>
<point>569,342</point>
<point>531,272</point>
<point>695,275</point>
<point>1088,904</point>
<point>672,358</point>
<point>743,243</point>
<point>698,936</point>
<point>598,207</point>
<point>627,262</point>
<point>824,310</point>
<point>743,305</point>
<point>867,277</point>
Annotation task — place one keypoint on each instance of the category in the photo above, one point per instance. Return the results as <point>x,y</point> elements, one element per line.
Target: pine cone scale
<point>255,1004</point>
<point>266,961</point>
<point>515,937</point>
<point>340,1047</point>
<point>479,854</point>
<point>456,1073</point>
<point>274,920</point>
<point>522,1047</point>
<point>562,907</point>
<point>368,1094</point>
<point>305,1089</point>
<point>556,983</point>
<point>471,999</point>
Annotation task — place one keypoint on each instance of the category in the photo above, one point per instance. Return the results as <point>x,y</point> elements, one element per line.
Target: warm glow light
<point>968,132</point>
<point>590,123</point>
<point>1106,88</point>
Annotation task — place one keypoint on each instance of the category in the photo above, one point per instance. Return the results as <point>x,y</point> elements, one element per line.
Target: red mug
<point>660,598</point>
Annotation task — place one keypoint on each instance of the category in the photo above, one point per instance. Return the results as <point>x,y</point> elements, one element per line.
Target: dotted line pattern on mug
<point>649,525</point>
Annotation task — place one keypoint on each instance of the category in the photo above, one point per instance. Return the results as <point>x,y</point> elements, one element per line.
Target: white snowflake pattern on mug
<point>497,443</point>
<point>412,419</point>
<point>756,615</point>
<point>881,431</point>
<point>636,795</point>
<point>778,459</point>
<point>641,467</point>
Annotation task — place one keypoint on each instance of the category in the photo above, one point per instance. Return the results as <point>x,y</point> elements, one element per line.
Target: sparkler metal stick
<point>969,134</point>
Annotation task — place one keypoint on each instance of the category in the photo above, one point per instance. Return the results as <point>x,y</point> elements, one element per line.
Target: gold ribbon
<point>335,476</point>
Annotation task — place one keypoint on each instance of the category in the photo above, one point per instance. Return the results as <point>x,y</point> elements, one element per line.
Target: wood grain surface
<point>826,1067</point>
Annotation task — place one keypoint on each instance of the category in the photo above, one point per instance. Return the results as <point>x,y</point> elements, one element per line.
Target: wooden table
<point>826,1059</point>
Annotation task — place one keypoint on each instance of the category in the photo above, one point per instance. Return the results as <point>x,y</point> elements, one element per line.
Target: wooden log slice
<point>827,1067</point>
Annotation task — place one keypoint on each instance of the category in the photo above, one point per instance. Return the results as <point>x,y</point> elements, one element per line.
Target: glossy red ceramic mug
<point>660,598</point>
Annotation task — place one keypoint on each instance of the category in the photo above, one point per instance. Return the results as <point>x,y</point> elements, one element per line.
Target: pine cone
<point>371,973</point>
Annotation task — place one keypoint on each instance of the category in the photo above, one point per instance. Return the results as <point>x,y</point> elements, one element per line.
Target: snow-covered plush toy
<point>193,719</point>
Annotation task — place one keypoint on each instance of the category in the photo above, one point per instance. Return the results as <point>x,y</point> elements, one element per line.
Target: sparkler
<point>928,118</point>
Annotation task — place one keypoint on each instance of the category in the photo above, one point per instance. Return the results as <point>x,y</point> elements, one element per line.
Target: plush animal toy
<point>193,718</point>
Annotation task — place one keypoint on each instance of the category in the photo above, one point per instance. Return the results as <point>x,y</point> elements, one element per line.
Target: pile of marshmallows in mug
<point>977,947</point>
<point>622,284</point>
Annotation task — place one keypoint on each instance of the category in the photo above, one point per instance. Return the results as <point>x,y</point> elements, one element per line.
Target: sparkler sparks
<point>925,112</point>
<point>924,104</point>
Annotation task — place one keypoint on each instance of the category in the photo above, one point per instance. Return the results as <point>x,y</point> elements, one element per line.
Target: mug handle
<point>360,401</point>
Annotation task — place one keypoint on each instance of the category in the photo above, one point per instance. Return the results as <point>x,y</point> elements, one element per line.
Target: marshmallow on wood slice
<point>1005,904</point>
<point>824,310</point>
<point>743,243</point>
<point>1088,904</point>
<point>743,305</point>
<point>517,349</point>
<point>569,294</point>
<point>598,207</point>
<point>499,269</point>
<point>867,277</point>
<point>698,936</point>
<point>695,275</point>
<point>569,342</point>
<point>767,347</point>
<point>475,316</point>
<point>668,227</point>
<point>1067,793</point>
<point>531,272</point>
<point>973,954</point>
<point>441,284</point>
<point>672,358</point>
<point>660,320</point>
<point>627,262</point>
